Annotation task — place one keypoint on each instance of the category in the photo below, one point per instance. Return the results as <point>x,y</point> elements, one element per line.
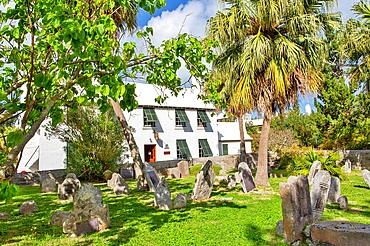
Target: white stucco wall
<point>30,154</point>
<point>168,133</point>
<point>52,153</point>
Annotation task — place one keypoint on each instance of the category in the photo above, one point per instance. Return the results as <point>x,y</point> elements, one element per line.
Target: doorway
<point>150,153</point>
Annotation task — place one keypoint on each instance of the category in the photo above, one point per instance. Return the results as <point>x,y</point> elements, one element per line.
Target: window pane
<point>205,147</point>
<point>182,115</point>
<point>225,149</point>
<point>203,116</point>
<point>183,147</point>
<point>150,115</point>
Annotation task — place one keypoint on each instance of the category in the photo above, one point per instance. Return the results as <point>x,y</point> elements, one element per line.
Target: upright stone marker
<point>334,190</point>
<point>118,184</point>
<point>183,167</point>
<point>151,176</point>
<point>247,178</point>
<point>296,207</point>
<point>89,212</point>
<point>48,183</point>
<point>316,166</point>
<point>366,175</point>
<point>231,181</point>
<point>347,168</point>
<point>162,196</point>
<point>319,193</point>
<point>204,182</point>
<point>69,186</point>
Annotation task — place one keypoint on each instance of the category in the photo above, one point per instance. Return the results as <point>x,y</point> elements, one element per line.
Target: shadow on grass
<point>362,187</point>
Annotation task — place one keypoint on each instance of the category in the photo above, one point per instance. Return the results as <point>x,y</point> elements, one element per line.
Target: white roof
<point>187,98</point>
<point>229,131</point>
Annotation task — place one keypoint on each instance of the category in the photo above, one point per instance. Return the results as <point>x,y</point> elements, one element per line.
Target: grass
<point>247,219</point>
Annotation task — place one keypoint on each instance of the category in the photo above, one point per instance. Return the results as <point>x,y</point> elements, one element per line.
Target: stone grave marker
<point>28,207</point>
<point>204,182</point>
<point>247,180</point>
<point>173,172</point>
<point>162,196</point>
<point>151,176</point>
<point>4,216</point>
<point>366,175</point>
<point>296,207</point>
<point>180,201</point>
<point>319,193</point>
<point>118,184</point>
<point>69,186</point>
<point>58,217</point>
<point>316,166</point>
<point>231,181</point>
<point>347,167</point>
<point>334,190</point>
<point>183,167</point>
<point>48,183</point>
<point>343,203</point>
<point>88,205</point>
<point>142,185</point>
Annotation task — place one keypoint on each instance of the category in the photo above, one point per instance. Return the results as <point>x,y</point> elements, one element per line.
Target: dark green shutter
<point>184,149</point>
<point>182,115</point>
<point>205,147</point>
<point>203,116</point>
<point>150,115</point>
<point>225,149</point>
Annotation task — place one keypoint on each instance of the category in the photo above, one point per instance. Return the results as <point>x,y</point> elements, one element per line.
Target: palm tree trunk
<point>243,154</point>
<point>134,149</point>
<point>262,172</point>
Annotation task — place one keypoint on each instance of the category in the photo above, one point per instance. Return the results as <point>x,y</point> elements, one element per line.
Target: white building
<point>182,127</point>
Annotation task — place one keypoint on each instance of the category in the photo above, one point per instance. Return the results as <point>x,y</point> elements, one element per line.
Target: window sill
<point>179,127</point>
<point>148,127</point>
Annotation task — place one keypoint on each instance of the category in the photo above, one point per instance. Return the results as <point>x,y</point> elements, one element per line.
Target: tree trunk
<point>243,154</point>
<point>8,170</point>
<point>262,171</point>
<point>135,154</point>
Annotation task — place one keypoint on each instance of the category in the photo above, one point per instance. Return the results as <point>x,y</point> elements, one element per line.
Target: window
<point>202,118</point>
<point>204,149</point>
<point>182,148</point>
<point>225,149</point>
<point>150,118</point>
<point>181,117</point>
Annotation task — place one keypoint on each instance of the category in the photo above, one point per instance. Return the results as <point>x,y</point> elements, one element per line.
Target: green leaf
<point>15,138</point>
<point>105,90</point>
<point>80,99</point>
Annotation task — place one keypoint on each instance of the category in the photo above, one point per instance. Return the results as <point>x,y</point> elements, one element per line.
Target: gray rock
<point>28,207</point>
<point>347,167</point>
<point>238,178</point>
<point>162,196</point>
<point>334,190</point>
<point>118,184</point>
<point>231,181</point>
<point>151,176</point>
<point>204,182</point>
<point>173,173</point>
<point>316,166</point>
<point>69,186</point>
<point>59,217</point>
<point>142,185</point>
<point>4,216</point>
<point>48,183</point>
<point>366,175</point>
<point>180,201</point>
<point>296,207</point>
<point>280,228</point>
<point>343,203</point>
<point>247,178</point>
<point>319,193</point>
<point>183,167</point>
<point>88,204</point>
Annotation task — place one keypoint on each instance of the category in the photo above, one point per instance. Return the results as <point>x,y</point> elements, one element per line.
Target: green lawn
<point>247,219</point>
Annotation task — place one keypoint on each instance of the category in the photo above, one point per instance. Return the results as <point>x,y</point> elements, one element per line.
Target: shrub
<point>301,164</point>
<point>8,191</point>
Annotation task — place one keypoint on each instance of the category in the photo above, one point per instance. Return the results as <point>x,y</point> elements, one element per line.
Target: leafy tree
<point>94,142</point>
<point>281,56</point>
<point>60,52</point>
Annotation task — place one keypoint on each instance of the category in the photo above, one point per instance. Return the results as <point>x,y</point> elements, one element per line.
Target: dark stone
<point>334,190</point>
<point>48,183</point>
<point>319,193</point>
<point>204,182</point>
<point>162,196</point>
<point>127,174</point>
<point>296,207</point>
<point>4,216</point>
<point>151,176</point>
<point>87,227</point>
<point>180,201</point>
<point>69,186</point>
<point>343,203</point>
<point>58,217</point>
<point>247,181</point>
<point>28,207</point>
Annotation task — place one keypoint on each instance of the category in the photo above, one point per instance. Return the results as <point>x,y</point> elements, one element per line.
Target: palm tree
<point>356,45</point>
<point>274,51</point>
